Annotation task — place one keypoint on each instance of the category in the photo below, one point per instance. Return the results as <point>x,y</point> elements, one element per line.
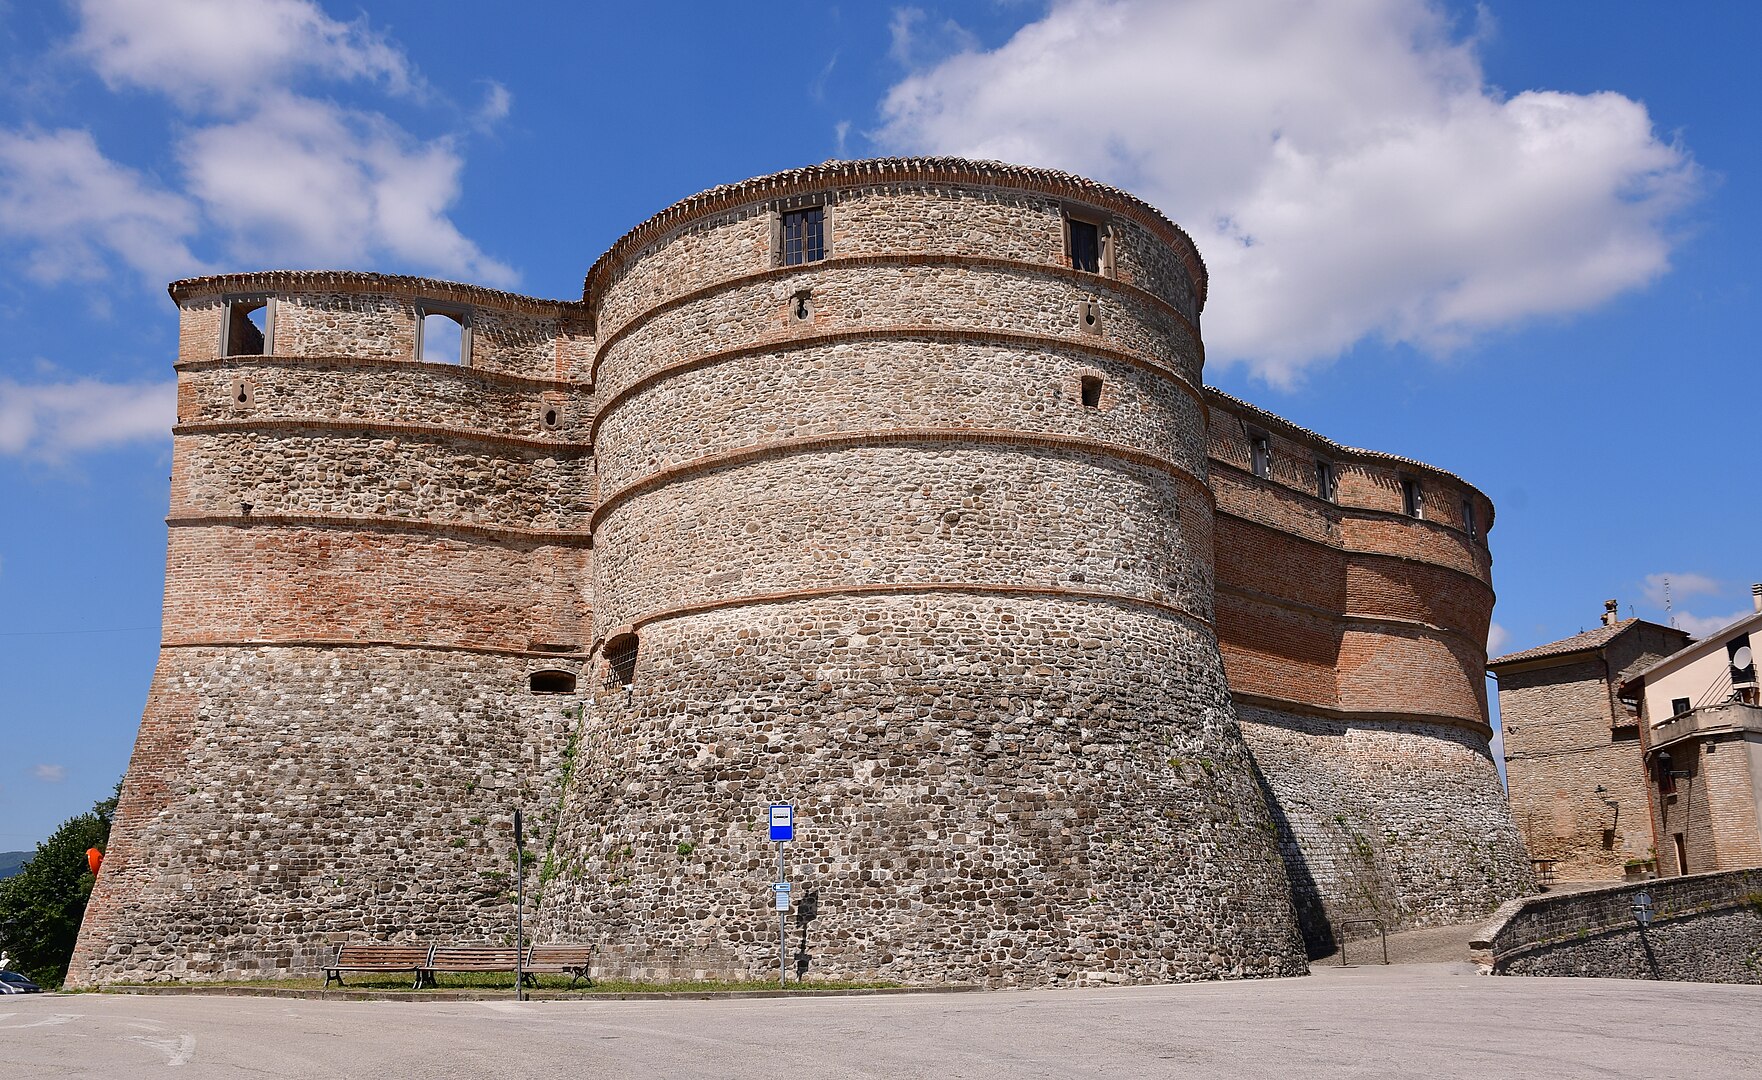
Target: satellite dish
<point>1742,658</point>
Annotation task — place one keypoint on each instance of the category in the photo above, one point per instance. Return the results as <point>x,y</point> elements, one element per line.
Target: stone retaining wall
<point>1706,928</point>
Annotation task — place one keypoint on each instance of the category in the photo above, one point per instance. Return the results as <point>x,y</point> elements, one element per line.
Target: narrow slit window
<point>1327,484</point>
<point>443,338</point>
<point>1412,500</point>
<point>1260,455</point>
<point>1468,523</point>
<point>551,682</point>
<point>1084,238</point>
<point>621,657</point>
<point>248,328</point>
<point>1091,385</point>
<point>804,235</point>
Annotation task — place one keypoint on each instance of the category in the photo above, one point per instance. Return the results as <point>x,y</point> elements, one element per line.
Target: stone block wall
<point>1706,928</point>
<point>938,537</point>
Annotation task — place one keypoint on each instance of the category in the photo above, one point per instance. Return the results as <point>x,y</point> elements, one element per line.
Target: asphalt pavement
<point>1418,1020</point>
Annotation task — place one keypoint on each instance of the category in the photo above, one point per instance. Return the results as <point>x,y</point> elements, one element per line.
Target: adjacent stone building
<point>887,488</point>
<point>1572,746</point>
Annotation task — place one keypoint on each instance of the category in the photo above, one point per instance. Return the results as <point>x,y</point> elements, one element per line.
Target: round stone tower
<point>902,516</point>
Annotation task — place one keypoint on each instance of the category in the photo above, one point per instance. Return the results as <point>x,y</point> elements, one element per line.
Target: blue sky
<point>1512,240</point>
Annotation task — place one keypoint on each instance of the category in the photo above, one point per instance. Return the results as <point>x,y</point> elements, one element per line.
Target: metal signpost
<point>519,907</point>
<point>1642,908</point>
<point>782,832</point>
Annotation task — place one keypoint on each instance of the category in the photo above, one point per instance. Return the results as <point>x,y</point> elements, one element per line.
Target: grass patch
<point>473,980</point>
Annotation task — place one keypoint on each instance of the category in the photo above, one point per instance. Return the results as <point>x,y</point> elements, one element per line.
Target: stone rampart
<point>939,537</point>
<point>1705,928</point>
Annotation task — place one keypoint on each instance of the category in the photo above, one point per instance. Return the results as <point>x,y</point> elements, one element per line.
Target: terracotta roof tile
<point>1590,639</point>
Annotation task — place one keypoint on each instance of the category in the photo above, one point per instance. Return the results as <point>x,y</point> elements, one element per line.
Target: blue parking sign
<point>782,822</point>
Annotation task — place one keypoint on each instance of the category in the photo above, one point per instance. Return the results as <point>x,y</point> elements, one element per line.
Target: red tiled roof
<point>1590,639</point>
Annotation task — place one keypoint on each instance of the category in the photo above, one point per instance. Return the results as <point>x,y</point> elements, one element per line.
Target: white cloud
<point>910,46</point>
<point>1681,585</point>
<point>1344,168</point>
<point>1701,626</point>
<point>75,211</point>
<point>52,420</point>
<point>309,183</point>
<point>1496,746</point>
<point>49,774</point>
<point>497,103</point>
<point>219,54</point>
<point>1497,638</point>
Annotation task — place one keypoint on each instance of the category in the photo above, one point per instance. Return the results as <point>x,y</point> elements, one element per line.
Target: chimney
<point>1756,596</point>
<point>1611,609</point>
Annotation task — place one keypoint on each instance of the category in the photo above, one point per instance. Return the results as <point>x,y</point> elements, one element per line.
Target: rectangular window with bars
<point>804,235</point>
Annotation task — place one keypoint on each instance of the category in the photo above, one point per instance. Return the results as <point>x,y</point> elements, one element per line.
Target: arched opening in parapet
<point>551,682</point>
<point>1091,391</point>
<point>443,338</point>
<point>621,657</point>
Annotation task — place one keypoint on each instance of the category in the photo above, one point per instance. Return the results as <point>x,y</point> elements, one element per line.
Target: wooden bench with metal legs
<point>383,959</point>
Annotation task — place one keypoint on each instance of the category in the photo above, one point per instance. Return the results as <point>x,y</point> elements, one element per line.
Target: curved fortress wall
<point>366,557</point>
<point>880,559</point>
<point>1354,596</point>
<point>919,536</point>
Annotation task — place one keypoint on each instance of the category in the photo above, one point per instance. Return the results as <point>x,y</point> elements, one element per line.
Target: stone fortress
<point>888,488</point>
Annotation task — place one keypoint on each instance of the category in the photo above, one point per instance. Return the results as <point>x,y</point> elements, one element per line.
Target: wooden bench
<point>575,961</point>
<point>379,958</point>
<point>469,958</point>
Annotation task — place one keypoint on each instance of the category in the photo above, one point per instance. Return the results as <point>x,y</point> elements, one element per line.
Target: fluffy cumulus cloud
<point>1701,626</point>
<point>271,175</point>
<point>308,183</point>
<point>1497,639</point>
<point>223,53</point>
<point>51,421</point>
<point>1344,168</point>
<point>49,774</point>
<point>71,210</point>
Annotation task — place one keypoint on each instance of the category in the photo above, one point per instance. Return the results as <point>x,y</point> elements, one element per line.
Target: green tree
<point>41,906</point>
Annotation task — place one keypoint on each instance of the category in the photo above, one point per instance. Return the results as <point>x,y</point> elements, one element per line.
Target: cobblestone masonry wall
<point>875,554</point>
<point>1706,928</point>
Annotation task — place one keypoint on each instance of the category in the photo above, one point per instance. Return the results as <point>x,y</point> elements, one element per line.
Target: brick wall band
<point>904,535</point>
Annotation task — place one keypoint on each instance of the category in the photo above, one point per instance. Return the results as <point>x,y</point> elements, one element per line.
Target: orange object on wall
<point>94,858</point>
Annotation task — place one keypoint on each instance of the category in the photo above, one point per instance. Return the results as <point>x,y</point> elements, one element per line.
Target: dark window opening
<point>1629,733</point>
<point>804,236</point>
<point>1085,241</point>
<point>621,656</point>
<point>551,682</point>
<point>1091,391</point>
<point>1412,501</point>
<point>1680,705</point>
<point>248,328</point>
<point>1682,853</point>
<point>552,417</point>
<point>1260,455</point>
<point>1326,483</point>
<point>442,338</point>
<point>1468,523</point>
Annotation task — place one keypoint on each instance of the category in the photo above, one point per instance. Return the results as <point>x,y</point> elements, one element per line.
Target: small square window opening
<point>1412,500</point>
<point>444,338</point>
<point>1091,385</point>
<point>1084,238</point>
<point>1260,455</point>
<point>248,326</point>
<point>804,235</point>
<point>1327,485</point>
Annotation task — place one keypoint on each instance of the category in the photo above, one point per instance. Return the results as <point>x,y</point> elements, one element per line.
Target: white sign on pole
<point>781,891</point>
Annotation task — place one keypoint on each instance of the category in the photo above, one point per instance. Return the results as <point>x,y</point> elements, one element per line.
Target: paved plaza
<point>1426,1020</point>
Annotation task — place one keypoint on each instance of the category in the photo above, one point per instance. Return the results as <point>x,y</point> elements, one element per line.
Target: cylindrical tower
<point>375,587</point>
<point>903,517</point>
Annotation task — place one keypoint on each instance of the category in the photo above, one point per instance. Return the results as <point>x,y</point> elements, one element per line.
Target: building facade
<point>1577,785</point>
<point>890,489</point>
<point>1701,728</point>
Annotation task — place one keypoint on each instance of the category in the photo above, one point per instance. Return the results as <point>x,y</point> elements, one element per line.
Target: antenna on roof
<point>1668,616</point>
